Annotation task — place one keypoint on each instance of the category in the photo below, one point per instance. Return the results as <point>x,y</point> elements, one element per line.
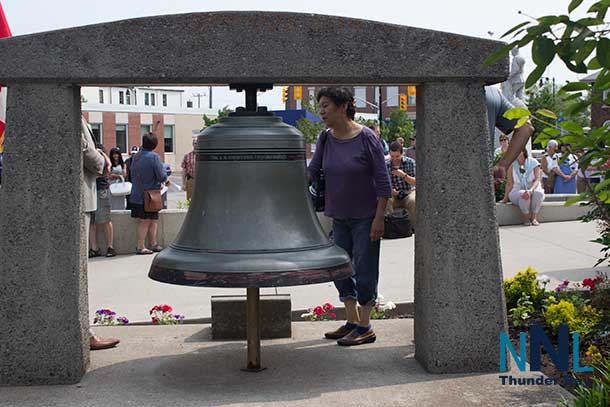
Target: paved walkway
<point>560,250</point>
<point>161,366</point>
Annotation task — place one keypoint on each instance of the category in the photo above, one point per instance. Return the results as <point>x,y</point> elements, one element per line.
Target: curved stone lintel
<point>246,47</point>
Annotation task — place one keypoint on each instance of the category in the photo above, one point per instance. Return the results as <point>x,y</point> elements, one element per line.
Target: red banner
<point>5,31</point>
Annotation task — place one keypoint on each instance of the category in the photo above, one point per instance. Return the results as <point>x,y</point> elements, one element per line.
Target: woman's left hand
<point>377,228</point>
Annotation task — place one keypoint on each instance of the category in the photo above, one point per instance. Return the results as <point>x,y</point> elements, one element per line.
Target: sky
<point>478,18</point>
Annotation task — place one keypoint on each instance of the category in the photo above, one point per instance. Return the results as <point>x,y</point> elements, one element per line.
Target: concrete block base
<point>229,316</point>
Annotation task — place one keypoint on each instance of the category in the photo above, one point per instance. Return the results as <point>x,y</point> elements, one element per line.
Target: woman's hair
<point>340,96</point>
<point>116,151</point>
<point>149,141</point>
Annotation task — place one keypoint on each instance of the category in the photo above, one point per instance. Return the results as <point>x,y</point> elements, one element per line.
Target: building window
<point>360,96</point>
<point>121,97</point>
<point>144,129</point>
<point>164,100</point>
<point>392,96</point>
<point>101,96</point>
<point>312,95</point>
<point>96,129</point>
<point>189,104</point>
<point>168,137</point>
<point>152,99</point>
<point>128,96</point>
<point>121,137</point>
<point>146,98</point>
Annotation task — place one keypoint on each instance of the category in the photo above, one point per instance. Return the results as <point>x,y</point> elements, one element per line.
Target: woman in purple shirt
<point>357,190</point>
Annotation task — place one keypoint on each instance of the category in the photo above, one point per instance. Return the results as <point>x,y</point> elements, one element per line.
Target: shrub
<point>524,283</point>
<point>562,313</point>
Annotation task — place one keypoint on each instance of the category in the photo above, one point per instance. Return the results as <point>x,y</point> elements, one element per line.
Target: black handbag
<point>317,188</point>
<point>397,225</point>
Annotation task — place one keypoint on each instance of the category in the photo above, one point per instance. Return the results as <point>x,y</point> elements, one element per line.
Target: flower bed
<point>583,307</point>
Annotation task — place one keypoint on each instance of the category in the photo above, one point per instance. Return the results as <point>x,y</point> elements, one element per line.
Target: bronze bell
<point>251,222</point>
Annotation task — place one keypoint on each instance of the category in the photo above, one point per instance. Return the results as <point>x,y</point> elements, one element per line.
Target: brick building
<point>119,116</point>
<point>367,98</point>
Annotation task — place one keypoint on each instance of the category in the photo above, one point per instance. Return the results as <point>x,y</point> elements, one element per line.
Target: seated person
<point>402,175</point>
<point>524,187</point>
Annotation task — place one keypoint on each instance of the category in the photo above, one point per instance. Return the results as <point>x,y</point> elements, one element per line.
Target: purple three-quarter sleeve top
<point>355,173</point>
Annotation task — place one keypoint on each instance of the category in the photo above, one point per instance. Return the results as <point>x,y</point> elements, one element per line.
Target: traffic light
<point>297,92</point>
<point>284,94</point>
<point>402,104</point>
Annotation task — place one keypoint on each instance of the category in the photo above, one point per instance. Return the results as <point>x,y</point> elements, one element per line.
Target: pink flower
<point>328,306</point>
<point>333,316</point>
<point>318,311</point>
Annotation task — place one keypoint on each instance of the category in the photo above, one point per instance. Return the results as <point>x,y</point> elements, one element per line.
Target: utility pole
<point>198,96</point>
<point>210,97</point>
<point>380,108</point>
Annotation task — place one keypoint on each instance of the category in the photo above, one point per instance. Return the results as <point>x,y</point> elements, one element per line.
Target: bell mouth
<point>270,269</point>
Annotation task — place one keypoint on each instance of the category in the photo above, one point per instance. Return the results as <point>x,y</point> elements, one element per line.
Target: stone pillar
<point>459,302</point>
<point>43,282</point>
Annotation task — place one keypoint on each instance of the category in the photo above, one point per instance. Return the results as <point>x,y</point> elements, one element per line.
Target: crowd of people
<point>144,171</point>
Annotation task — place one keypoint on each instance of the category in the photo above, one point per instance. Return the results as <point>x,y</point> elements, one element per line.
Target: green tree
<point>583,46</point>
<point>224,112</point>
<point>311,129</point>
<point>545,98</point>
<point>399,126</point>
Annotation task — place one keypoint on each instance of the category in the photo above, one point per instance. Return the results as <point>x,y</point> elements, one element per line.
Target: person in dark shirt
<point>402,175</point>
<point>148,173</point>
<point>357,190</point>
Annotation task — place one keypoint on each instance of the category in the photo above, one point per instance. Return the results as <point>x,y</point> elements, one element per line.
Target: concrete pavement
<point>560,250</point>
<point>160,366</point>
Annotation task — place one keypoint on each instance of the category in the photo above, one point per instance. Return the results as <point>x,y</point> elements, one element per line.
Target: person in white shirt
<point>524,189</point>
<point>548,162</point>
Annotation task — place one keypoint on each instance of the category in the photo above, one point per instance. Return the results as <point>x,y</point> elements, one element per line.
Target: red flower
<point>333,316</point>
<point>166,308</point>
<point>328,306</point>
<point>592,283</point>
<point>318,311</point>
<point>155,320</point>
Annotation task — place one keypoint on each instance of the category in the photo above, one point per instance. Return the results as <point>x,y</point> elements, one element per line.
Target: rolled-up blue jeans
<point>353,236</point>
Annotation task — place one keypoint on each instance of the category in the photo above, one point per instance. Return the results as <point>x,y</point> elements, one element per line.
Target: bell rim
<point>250,279</point>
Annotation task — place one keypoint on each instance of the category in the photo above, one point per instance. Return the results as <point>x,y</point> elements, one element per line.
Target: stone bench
<point>170,221</point>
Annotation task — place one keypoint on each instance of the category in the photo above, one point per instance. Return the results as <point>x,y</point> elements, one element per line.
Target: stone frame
<point>460,308</point>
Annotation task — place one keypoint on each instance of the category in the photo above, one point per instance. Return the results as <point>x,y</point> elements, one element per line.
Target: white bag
<point>120,188</point>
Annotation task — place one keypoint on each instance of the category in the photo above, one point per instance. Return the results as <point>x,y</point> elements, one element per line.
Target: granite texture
<point>43,286</point>
<point>245,47</point>
<point>229,314</point>
<point>459,303</point>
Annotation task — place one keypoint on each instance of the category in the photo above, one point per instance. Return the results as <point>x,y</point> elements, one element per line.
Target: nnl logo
<point>539,340</point>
